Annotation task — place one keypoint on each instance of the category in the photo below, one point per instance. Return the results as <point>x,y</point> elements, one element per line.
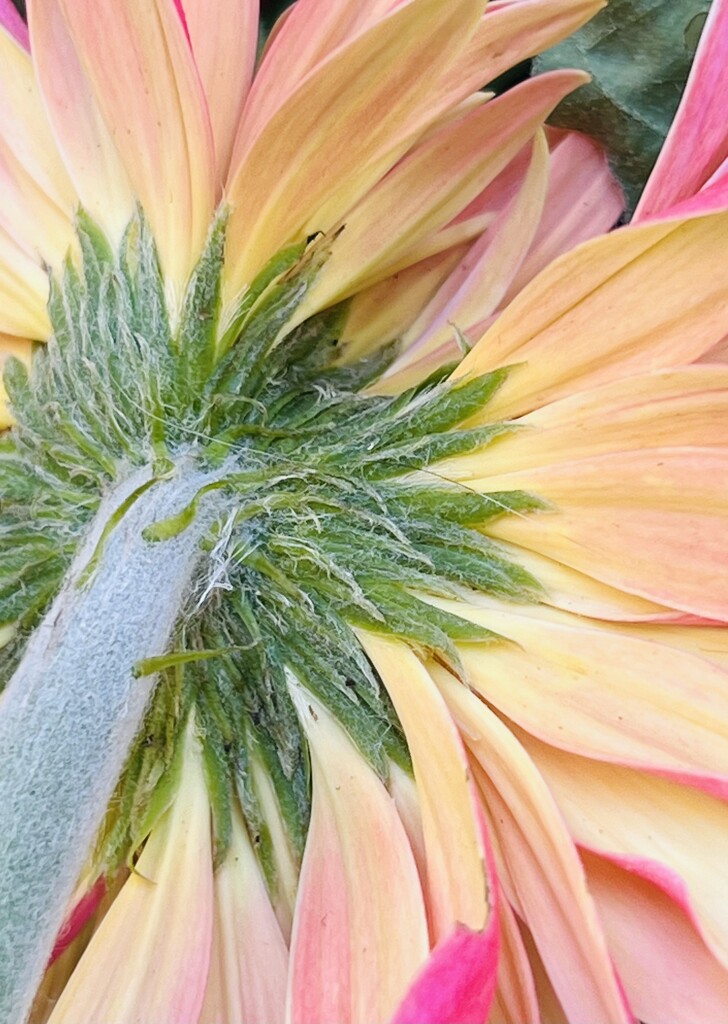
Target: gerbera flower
<point>351,679</point>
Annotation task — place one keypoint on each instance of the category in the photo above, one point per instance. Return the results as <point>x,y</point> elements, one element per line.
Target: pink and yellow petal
<point>24,127</point>
<point>668,973</point>
<point>148,91</point>
<point>686,406</point>
<point>643,298</point>
<point>478,284</point>
<point>161,921</point>
<point>249,958</point>
<point>649,522</point>
<point>432,184</point>
<point>224,39</point>
<point>603,692</point>
<point>459,889</point>
<point>670,834</point>
<point>340,130</point>
<point>509,33</point>
<point>516,999</point>
<point>543,865</point>
<point>352,958</point>
<point>81,135</point>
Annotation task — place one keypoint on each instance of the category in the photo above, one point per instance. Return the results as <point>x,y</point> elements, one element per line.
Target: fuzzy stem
<point>72,709</point>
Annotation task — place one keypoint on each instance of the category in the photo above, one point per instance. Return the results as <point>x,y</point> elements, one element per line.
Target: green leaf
<point>638,53</point>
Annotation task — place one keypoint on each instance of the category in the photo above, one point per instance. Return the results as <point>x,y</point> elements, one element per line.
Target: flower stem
<point>72,708</point>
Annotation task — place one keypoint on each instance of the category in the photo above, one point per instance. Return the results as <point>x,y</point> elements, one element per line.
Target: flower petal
<point>249,959</point>
<point>642,298</point>
<point>11,21</point>
<point>81,136</point>
<point>541,863</point>
<point>602,692</point>
<point>161,922</point>
<point>340,130</point>
<point>649,522</point>
<point>148,90</point>
<point>477,286</point>
<point>667,971</point>
<point>354,949</point>
<point>682,407</point>
<point>456,860</point>
<point>509,33</point>
<point>697,143</point>
<point>23,293</point>
<point>516,999</point>
<point>456,984</point>
<point>224,37</point>
<point>671,834</point>
<point>433,183</point>
<point>24,128</point>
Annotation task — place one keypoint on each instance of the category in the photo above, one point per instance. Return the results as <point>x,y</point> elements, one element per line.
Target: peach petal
<point>605,692</point>
<point>543,865</point>
<point>352,958</point>
<point>672,835</point>
<point>649,522</point>
<point>23,293</point>
<point>642,298</point>
<point>224,38</point>
<point>433,183</point>
<point>516,999</point>
<point>148,90</point>
<point>667,971</point>
<point>340,130</point>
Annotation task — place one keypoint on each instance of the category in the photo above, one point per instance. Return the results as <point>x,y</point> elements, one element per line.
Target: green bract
<point>329,514</point>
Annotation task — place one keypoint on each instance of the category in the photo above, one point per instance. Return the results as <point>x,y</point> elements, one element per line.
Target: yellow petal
<point>354,948</point>
<point>642,298</point>
<point>224,37</point>
<point>23,292</point>
<point>330,141</point>
<point>24,127</point>
<point>149,959</point>
<point>456,869</point>
<point>31,219</point>
<point>249,959</point>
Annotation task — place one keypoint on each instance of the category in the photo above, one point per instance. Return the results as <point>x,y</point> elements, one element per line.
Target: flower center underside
<point>330,514</point>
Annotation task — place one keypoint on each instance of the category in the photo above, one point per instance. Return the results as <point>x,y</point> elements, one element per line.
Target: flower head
<point>363,620</point>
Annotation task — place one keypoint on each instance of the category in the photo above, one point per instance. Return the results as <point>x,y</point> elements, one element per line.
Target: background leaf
<point>638,53</point>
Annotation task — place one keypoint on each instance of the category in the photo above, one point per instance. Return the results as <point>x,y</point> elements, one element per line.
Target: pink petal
<point>13,23</point>
<point>698,139</point>
<point>667,971</point>
<point>456,984</point>
<point>78,917</point>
